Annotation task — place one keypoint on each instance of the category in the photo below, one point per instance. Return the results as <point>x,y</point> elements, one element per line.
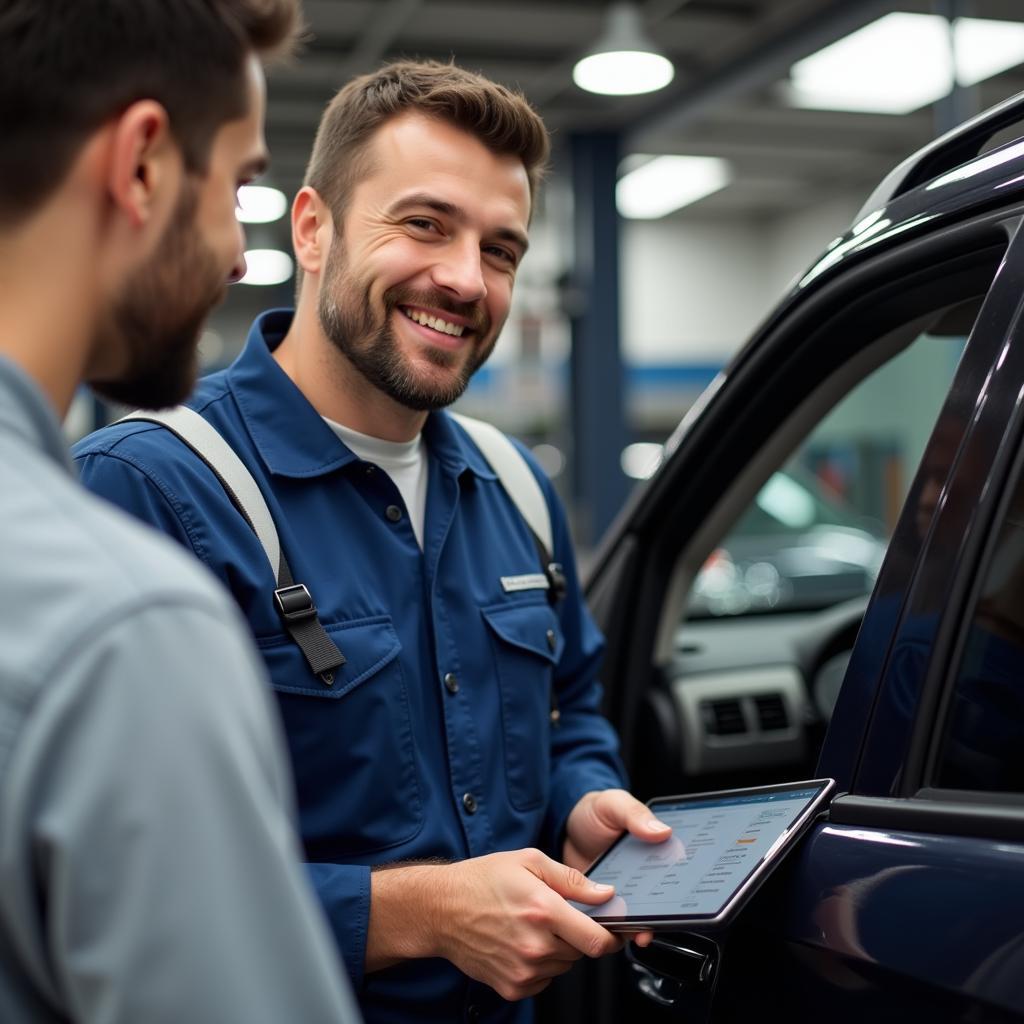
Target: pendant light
<point>624,61</point>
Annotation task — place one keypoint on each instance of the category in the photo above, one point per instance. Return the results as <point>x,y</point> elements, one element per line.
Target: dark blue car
<point>907,903</point>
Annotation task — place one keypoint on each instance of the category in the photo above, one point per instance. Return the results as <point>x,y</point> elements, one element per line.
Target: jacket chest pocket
<point>526,642</point>
<point>351,744</point>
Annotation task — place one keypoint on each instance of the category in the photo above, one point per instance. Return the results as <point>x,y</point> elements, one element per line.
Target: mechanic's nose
<point>460,272</point>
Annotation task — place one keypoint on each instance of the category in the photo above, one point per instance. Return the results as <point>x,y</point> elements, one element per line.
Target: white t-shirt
<point>404,461</point>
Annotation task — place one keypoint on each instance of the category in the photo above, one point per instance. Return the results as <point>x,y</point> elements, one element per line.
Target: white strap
<point>504,458</point>
<point>515,475</point>
<point>208,444</point>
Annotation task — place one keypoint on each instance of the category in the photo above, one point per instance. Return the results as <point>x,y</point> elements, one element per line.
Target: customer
<point>148,871</point>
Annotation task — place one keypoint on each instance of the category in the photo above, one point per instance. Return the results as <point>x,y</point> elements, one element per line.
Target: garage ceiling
<point>729,55</point>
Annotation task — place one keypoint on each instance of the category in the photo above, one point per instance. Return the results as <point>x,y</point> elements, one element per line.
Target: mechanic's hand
<point>503,920</point>
<point>598,819</point>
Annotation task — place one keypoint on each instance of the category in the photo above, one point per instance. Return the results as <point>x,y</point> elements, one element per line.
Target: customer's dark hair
<point>67,66</point>
<point>499,117</point>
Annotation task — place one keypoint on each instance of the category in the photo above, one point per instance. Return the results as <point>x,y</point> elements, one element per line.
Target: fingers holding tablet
<point>504,920</point>
<point>601,817</point>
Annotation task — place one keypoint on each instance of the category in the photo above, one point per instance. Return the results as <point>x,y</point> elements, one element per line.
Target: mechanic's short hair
<point>68,66</point>
<point>499,117</point>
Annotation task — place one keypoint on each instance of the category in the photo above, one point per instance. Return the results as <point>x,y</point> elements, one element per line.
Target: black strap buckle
<point>295,603</point>
<point>556,581</point>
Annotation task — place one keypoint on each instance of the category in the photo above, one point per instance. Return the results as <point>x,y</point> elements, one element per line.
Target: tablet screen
<point>718,842</point>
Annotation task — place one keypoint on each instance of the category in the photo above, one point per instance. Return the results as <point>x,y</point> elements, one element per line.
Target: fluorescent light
<point>624,61</point>
<point>623,73</point>
<point>667,183</point>
<point>640,460</point>
<point>894,65</point>
<point>985,48</point>
<point>260,204</point>
<point>902,62</point>
<point>267,266</point>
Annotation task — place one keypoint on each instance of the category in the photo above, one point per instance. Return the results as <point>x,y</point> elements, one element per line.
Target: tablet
<point>723,845</point>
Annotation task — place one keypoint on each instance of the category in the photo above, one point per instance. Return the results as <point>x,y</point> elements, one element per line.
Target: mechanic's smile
<point>436,323</point>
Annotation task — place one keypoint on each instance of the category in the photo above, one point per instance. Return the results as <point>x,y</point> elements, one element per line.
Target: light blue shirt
<point>148,869</point>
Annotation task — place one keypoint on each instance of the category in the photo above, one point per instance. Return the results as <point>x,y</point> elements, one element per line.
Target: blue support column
<point>962,102</point>
<point>597,391</point>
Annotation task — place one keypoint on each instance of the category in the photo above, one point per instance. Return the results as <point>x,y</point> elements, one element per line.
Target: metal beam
<point>597,407</point>
<point>382,30</point>
<point>765,63</point>
<point>962,101</point>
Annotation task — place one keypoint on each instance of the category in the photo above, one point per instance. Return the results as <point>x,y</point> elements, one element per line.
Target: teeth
<point>434,322</point>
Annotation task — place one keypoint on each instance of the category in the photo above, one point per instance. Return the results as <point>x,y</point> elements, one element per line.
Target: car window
<point>984,731</point>
<point>816,532</point>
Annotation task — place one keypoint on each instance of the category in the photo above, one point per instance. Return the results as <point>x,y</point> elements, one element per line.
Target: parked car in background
<point>907,902</point>
<point>795,548</point>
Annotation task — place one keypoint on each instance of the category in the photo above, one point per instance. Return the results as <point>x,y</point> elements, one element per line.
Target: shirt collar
<point>26,412</point>
<point>292,437</point>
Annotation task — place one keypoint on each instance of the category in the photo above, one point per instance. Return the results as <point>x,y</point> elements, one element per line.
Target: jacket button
<point>469,802</point>
<point>552,640</point>
<point>393,512</point>
<point>472,1014</point>
<point>451,684</point>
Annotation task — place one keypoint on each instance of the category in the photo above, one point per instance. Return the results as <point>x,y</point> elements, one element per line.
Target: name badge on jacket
<point>527,581</point>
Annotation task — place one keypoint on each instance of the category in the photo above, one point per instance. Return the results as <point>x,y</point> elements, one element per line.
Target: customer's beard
<point>158,318</point>
<point>346,317</point>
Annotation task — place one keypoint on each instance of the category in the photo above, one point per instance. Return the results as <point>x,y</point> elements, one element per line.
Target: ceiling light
<point>902,62</point>
<point>985,48</point>
<point>267,266</point>
<point>640,460</point>
<point>260,204</point>
<point>666,183</point>
<point>624,61</point>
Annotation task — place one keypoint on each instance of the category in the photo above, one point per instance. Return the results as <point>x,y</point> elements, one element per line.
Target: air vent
<point>771,712</point>
<point>723,717</point>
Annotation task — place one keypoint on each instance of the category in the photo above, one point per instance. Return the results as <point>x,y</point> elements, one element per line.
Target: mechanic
<point>462,727</point>
<point>139,772</point>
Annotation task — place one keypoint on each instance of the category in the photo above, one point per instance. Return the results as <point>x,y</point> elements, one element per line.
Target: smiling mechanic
<point>463,726</point>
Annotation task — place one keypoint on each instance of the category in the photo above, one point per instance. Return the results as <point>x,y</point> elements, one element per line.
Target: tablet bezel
<point>775,854</point>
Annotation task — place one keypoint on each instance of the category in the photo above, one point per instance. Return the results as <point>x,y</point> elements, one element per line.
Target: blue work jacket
<point>436,739</point>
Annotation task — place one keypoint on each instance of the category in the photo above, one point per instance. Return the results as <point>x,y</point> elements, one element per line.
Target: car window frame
<point>993,424</point>
<point>1006,809</point>
<point>978,241</point>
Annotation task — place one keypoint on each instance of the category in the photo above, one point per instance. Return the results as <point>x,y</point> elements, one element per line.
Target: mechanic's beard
<point>346,318</point>
<point>160,313</point>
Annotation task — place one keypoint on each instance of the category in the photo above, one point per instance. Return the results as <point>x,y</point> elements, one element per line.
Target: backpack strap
<point>521,486</point>
<point>293,601</point>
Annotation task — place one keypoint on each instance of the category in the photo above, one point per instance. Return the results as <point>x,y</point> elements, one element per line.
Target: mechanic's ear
<point>312,229</point>
<point>145,165</point>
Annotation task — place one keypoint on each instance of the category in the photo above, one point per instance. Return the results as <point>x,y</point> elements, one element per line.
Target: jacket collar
<point>291,436</point>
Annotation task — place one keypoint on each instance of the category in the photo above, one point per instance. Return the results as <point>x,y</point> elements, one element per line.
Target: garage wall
<point>694,290</point>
